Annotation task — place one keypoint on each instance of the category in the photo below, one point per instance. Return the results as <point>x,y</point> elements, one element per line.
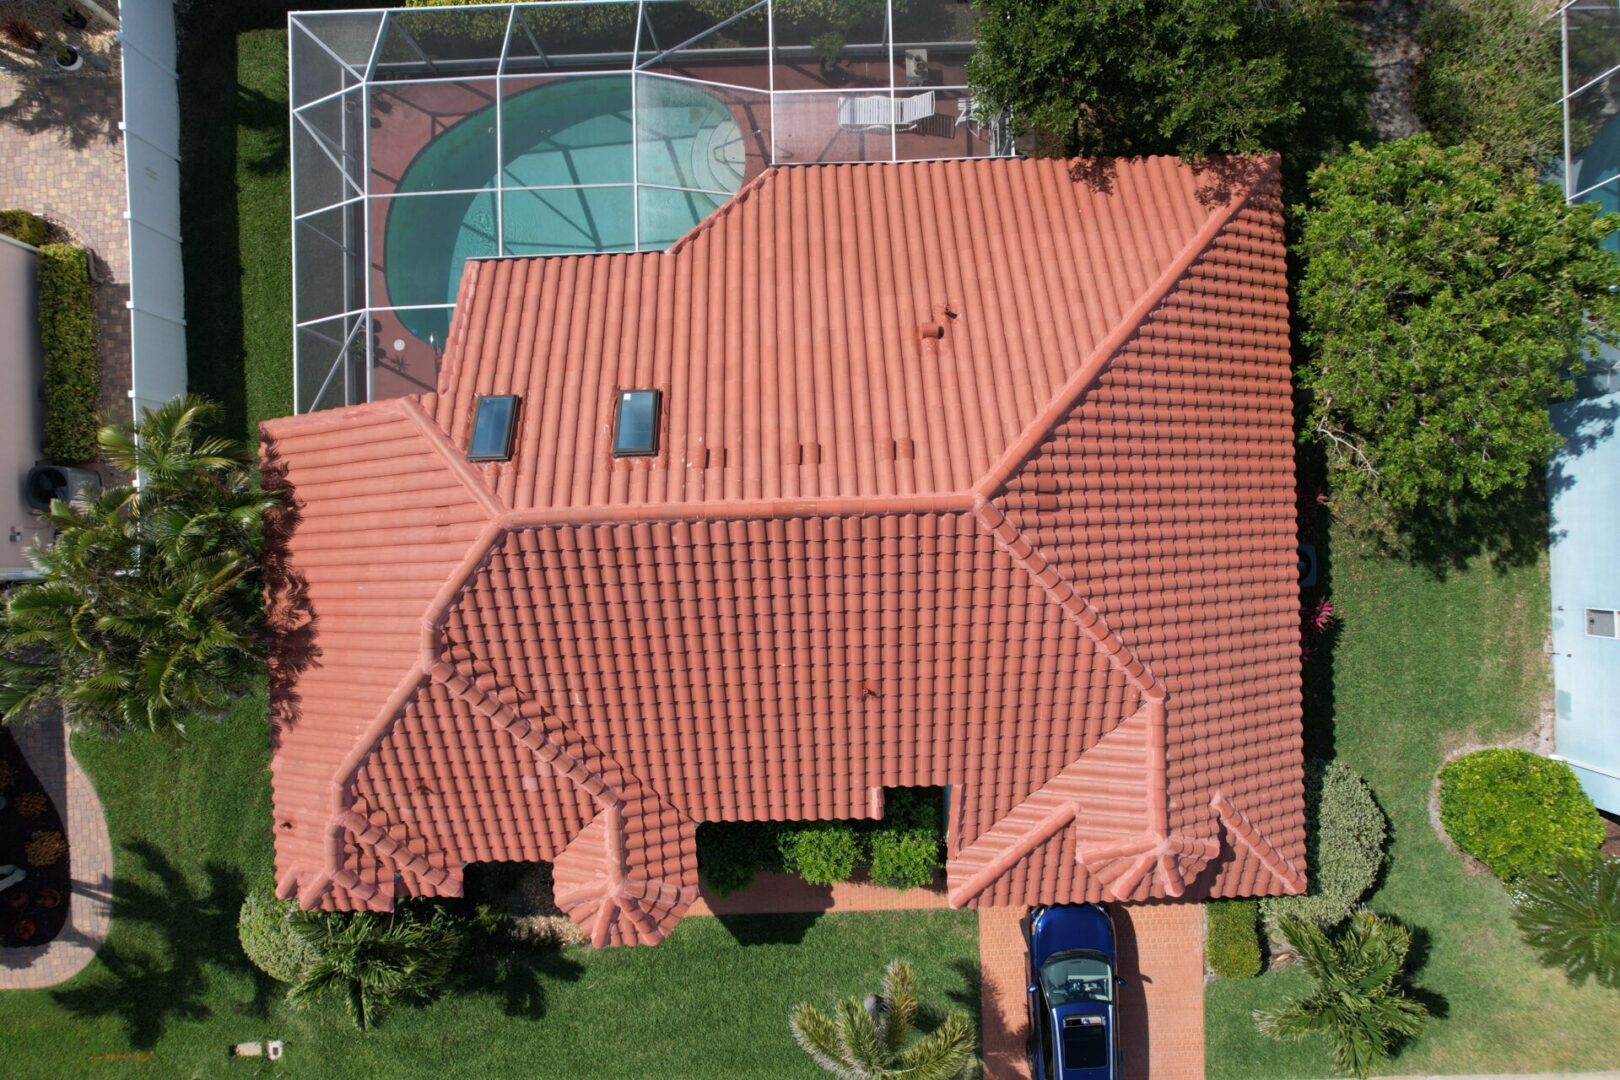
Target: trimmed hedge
<point>1232,938</point>
<point>268,930</point>
<point>903,850</point>
<point>68,333</point>
<point>1517,812</point>
<point>23,226</point>
<point>1344,847</point>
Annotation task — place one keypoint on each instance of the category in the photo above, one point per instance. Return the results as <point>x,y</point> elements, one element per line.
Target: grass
<point>171,989</point>
<point>236,213</point>
<point>1422,667</point>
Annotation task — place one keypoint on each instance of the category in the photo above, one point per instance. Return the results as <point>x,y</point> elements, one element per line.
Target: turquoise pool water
<point>574,132</point>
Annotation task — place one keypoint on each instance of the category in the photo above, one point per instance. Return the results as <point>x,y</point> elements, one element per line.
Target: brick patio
<point>62,157</point>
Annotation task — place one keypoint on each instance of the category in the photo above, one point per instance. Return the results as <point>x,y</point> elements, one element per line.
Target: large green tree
<point>1189,77</point>
<point>1445,302</point>
<point>148,613</point>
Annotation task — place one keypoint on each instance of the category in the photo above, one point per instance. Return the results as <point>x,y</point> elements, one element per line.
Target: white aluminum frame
<point>359,304</point>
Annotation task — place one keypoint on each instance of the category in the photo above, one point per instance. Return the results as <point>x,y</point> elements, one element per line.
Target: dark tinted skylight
<point>493,423</point>
<point>635,423</point>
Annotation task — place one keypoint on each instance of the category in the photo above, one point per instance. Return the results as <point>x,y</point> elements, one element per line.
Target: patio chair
<point>879,112</point>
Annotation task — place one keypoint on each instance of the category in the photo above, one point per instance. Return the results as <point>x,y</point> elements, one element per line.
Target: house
<point>958,473</point>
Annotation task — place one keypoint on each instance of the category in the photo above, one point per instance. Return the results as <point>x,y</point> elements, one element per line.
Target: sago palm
<point>372,963</point>
<point>1356,1000</point>
<point>866,1040</point>
<point>1571,917</point>
<point>149,611</point>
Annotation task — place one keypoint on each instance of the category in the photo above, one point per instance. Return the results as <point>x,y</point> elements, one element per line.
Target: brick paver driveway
<point>1161,955</point>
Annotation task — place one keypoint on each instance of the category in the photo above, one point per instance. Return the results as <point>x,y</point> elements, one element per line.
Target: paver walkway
<point>773,894</point>
<point>62,157</point>
<point>44,744</point>
<point>1161,1015</point>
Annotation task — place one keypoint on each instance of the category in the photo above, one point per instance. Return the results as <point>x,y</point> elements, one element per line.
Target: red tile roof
<point>970,474</point>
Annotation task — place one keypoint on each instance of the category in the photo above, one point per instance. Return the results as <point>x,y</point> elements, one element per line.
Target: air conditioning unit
<point>1602,622</point>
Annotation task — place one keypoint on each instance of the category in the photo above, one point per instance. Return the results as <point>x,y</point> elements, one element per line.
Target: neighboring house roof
<point>971,474</point>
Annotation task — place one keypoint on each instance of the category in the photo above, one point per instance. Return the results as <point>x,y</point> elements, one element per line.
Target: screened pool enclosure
<point>425,137</point>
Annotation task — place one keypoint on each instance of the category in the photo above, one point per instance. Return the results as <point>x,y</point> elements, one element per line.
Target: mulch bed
<point>34,910</point>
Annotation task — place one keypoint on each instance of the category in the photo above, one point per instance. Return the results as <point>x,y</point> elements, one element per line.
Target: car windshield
<point>1077,976</point>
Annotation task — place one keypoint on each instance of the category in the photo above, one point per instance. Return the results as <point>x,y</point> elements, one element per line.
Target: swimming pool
<point>569,137</point>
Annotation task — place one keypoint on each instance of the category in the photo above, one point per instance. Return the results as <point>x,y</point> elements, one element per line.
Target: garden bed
<point>34,910</point>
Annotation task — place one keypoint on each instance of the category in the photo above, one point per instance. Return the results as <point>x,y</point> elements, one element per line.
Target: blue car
<point>1073,1019</point>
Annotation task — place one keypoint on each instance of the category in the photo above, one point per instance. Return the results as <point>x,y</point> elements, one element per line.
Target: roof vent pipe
<point>935,330</point>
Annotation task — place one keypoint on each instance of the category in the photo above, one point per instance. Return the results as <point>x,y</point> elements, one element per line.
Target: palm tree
<point>373,963</point>
<point>1571,916</point>
<point>866,1039</point>
<point>149,610</point>
<point>1356,999</point>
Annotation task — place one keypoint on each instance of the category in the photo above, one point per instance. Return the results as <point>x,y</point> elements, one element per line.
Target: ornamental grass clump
<point>1570,916</point>
<point>1517,812</point>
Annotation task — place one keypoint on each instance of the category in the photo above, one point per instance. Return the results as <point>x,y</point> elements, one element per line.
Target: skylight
<point>494,422</point>
<point>635,423</point>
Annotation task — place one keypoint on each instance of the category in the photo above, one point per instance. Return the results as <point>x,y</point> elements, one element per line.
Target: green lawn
<point>191,828</point>
<point>236,214</point>
<point>1423,666</point>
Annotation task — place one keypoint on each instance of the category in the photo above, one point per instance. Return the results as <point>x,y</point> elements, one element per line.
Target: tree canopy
<point>149,611</point>
<point>1188,77</point>
<point>1445,302</point>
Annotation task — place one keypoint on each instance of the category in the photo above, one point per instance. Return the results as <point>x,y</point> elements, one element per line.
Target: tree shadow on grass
<point>148,986</point>
<point>519,979</point>
<point>768,929</point>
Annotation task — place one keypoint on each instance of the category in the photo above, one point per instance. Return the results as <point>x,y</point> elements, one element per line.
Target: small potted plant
<point>68,57</point>
<point>73,17</point>
<point>828,45</point>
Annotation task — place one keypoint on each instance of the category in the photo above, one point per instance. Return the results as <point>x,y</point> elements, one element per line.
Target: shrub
<point>1344,847</point>
<point>1489,75</point>
<point>1355,999</point>
<point>1517,812</point>
<point>1231,940</point>
<point>23,226</point>
<point>731,852</point>
<point>1188,77</point>
<point>823,853</point>
<point>872,1037</point>
<point>1571,917</point>
<point>67,332</point>
<point>46,848</point>
<point>268,930</point>
<point>1442,300</point>
<point>904,847</point>
<point>32,803</point>
<point>373,963</point>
